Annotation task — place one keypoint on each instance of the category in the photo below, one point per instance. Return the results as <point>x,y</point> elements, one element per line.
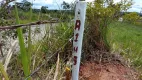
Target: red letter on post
<point>77,24</point>
<point>75,60</point>
<point>76,37</point>
<point>75,49</point>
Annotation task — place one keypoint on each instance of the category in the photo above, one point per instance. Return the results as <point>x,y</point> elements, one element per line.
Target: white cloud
<point>53,4</point>
<point>89,0</point>
<point>134,10</point>
<point>39,1</point>
<point>136,7</point>
<point>93,0</point>
<point>42,1</point>
<point>116,1</point>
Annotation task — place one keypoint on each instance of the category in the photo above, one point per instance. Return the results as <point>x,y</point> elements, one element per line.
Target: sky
<point>56,4</point>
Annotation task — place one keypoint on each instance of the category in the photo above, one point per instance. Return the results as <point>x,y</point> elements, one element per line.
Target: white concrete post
<point>80,13</point>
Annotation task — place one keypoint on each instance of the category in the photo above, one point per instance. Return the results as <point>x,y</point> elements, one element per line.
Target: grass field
<point>126,39</point>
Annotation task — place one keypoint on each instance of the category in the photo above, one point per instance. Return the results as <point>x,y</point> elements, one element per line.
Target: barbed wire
<point>28,24</point>
<point>56,41</point>
<point>38,68</point>
<point>44,62</point>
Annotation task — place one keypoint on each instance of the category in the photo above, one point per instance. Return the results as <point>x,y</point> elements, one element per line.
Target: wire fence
<point>43,33</point>
<point>27,25</point>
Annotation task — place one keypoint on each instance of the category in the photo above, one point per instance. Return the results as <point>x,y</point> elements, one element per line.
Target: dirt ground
<point>107,71</point>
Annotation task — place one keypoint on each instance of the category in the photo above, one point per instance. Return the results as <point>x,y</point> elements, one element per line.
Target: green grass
<point>24,55</point>
<point>127,40</point>
<point>3,72</point>
<point>29,39</point>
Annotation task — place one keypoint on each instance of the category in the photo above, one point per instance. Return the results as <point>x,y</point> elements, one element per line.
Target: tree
<point>72,6</point>
<point>5,8</point>
<point>99,14</point>
<point>65,5</point>
<point>44,9</point>
<point>24,5</point>
<point>27,5</point>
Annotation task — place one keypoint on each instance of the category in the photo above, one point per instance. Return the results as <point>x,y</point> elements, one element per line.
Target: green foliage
<point>24,55</point>
<point>5,9</point>
<point>126,4</point>
<point>44,9</point>
<point>58,36</point>
<point>65,5</point>
<point>126,38</point>
<point>100,14</point>
<point>132,17</point>
<point>24,5</point>
<point>29,39</point>
<point>3,72</point>
<point>65,31</point>
<point>4,22</point>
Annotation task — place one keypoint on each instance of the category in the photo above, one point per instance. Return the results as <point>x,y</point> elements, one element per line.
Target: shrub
<point>131,17</point>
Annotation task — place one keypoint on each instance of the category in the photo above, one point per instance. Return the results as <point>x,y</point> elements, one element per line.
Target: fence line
<point>28,24</point>
<point>45,61</point>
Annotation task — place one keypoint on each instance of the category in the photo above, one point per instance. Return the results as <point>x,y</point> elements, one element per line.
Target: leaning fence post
<point>80,13</point>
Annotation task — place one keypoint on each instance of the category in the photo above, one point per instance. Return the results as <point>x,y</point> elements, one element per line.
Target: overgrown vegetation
<point>39,59</point>
<point>100,14</point>
<point>132,18</point>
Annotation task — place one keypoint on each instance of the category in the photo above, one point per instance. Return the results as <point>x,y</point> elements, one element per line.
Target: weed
<point>24,56</point>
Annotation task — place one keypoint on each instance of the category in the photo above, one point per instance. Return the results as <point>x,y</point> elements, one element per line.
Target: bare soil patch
<point>107,71</point>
